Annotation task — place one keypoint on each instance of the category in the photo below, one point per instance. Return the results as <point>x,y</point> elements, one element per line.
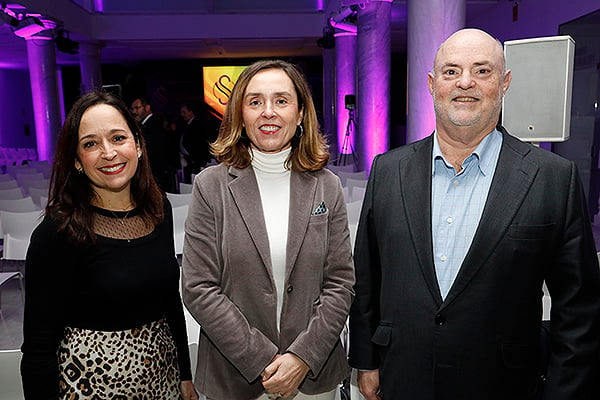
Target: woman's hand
<point>188,391</point>
<point>285,373</point>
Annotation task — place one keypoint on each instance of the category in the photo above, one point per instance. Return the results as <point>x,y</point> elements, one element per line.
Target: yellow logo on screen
<point>218,84</point>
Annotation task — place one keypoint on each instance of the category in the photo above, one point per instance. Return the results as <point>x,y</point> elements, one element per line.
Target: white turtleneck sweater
<point>274,186</point>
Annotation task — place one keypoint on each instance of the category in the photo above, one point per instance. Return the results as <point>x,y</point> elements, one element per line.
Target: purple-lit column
<point>345,82</point>
<point>430,22</point>
<point>329,100</point>
<point>373,96</point>
<point>90,66</point>
<point>41,58</point>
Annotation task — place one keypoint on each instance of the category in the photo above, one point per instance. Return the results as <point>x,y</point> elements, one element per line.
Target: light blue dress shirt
<point>457,202</point>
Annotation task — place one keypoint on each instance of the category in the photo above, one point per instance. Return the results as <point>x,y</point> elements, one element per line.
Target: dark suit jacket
<point>156,144</point>
<point>195,142</point>
<point>228,282</point>
<point>482,341</point>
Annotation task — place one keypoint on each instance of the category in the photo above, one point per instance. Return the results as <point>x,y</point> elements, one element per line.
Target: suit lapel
<point>415,186</point>
<point>302,194</point>
<point>245,193</point>
<point>512,180</point>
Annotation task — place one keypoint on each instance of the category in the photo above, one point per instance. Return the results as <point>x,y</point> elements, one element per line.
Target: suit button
<point>440,320</point>
<point>290,288</point>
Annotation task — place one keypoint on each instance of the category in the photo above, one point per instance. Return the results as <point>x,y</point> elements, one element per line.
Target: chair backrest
<point>11,194</point>
<point>337,168</point>
<point>179,199</point>
<point>36,194</point>
<point>24,177</point>
<point>7,178</point>
<point>36,183</point>
<point>353,210</point>
<point>358,193</point>
<point>353,175</point>
<point>185,188</point>
<point>24,204</point>
<point>17,229</point>
<point>8,183</point>
<point>20,224</point>
<point>179,215</point>
<point>10,375</point>
<point>352,183</point>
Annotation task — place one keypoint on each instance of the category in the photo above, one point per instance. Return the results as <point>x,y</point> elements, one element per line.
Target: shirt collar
<point>486,152</point>
<point>146,119</point>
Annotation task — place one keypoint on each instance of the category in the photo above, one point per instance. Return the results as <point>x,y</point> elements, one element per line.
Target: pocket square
<point>321,209</point>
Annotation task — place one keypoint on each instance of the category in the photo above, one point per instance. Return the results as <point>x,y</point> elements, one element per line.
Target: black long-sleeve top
<point>115,284</point>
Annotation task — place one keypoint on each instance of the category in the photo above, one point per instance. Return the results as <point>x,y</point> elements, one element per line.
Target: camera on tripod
<point>350,101</point>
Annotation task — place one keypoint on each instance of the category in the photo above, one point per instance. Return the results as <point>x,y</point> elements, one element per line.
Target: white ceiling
<point>136,30</point>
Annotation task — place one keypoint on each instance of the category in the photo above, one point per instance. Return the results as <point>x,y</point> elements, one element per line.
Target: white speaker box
<point>537,106</point>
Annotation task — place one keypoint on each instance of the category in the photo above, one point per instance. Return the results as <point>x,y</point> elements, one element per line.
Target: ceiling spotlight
<point>28,27</point>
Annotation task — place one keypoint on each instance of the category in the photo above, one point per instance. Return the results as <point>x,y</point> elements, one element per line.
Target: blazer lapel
<point>512,180</point>
<point>302,194</point>
<point>415,185</point>
<point>245,193</point>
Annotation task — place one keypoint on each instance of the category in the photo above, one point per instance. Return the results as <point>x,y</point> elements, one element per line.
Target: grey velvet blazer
<point>228,284</point>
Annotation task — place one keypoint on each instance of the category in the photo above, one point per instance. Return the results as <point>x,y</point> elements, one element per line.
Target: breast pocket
<point>531,232</point>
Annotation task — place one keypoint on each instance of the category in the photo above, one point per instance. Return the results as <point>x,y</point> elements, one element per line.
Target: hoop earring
<point>299,131</point>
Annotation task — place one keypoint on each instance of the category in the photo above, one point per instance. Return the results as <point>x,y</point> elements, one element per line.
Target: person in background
<point>267,264</point>
<point>157,143</point>
<point>195,146</point>
<point>103,315</point>
<point>458,233</point>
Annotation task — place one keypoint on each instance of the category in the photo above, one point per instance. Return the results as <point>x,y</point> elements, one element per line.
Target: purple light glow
<point>42,71</point>
<point>373,55</point>
<point>320,5</point>
<point>99,6</point>
<point>345,66</point>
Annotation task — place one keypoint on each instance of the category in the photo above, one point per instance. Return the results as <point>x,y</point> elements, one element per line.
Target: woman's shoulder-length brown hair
<point>71,193</point>
<point>310,151</point>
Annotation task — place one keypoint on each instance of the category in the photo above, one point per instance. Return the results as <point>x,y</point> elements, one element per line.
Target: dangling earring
<point>299,131</point>
<point>79,171</point>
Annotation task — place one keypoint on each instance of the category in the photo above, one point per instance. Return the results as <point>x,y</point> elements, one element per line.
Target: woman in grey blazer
<point>267,264</point>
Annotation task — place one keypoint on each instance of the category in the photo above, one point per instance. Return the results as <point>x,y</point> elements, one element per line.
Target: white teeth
<point>112,169</point>
<point>269,128</point>
<point>466,99</point>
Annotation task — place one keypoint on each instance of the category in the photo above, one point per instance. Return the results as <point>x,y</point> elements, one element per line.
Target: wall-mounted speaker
<point>537,106</point>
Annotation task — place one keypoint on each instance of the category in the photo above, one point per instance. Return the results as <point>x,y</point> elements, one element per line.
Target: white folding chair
<point>179,215</point>
<point>358,193</point>
<point>17,228</point>
<point>10,375</point>
<point>340,168</point>
<point>179,199</point>
<point>36,194</point>
<point>25,176</point>
<point>11,194</point>
<point>24,204</point>
<point>361,175</point>
<point>8,183</point>
<point>6,277</point>
<point>353,210</point>
<point>185,187</point>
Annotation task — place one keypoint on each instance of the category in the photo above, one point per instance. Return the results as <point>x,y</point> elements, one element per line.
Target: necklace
<point>121,220</point>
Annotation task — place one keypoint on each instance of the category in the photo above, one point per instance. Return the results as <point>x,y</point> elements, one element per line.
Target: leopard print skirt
<point>135,364</point>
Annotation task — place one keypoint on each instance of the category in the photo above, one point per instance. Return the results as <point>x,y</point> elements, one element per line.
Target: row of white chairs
<point>16,155</point>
